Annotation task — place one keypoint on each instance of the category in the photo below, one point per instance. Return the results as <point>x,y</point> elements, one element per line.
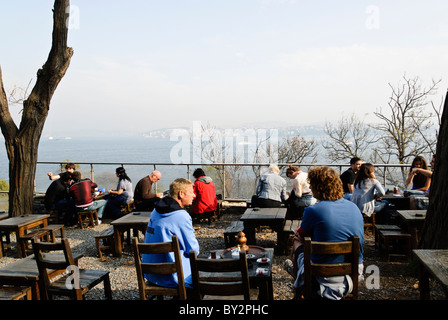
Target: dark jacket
<point>57,191</point>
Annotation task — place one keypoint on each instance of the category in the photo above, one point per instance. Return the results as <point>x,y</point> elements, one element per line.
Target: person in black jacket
<point>57,196</point>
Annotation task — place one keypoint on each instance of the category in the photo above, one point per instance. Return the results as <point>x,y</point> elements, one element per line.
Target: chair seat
<point>105,241</point>
<point>88,217</point>
<point>155,290</point>
<point>88,278</point>
<point>15,293</point>
<point>52,228</point>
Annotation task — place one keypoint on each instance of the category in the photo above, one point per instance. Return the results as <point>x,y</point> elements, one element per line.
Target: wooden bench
<point>231,232</point>
<point>22,241</point>
<point>105,241</point>
<point>286,235</point>
<point>15,293</point>
<point>379,227</point>
<point>52,228</point>
<point>386,237</point>
<point>89,216</point>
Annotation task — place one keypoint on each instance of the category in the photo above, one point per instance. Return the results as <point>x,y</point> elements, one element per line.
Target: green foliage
<point>4,186</point>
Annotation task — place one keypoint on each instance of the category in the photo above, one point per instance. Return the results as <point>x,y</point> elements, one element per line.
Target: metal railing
<point>382,171</point>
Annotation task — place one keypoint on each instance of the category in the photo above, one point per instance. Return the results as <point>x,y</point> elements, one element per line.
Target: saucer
<point>260,260</point>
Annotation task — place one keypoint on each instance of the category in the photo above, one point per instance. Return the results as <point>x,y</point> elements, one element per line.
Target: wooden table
<point>4,215</point>
<point>262,282</point>
<point>399,201</point>
<point>20,224</point>
<point>413,220</point>
<point>255,217</point>
<point>24,272</point>
<point>432,262</point>
<point>133,220</point>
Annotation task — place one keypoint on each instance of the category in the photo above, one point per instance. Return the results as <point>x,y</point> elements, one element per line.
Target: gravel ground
<point>397,280</point>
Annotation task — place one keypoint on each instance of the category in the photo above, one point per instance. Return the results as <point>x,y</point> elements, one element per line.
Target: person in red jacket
<point>81,192</point>
<point>204,188</point>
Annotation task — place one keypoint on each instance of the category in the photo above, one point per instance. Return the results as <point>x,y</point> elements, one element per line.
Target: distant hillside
<point>283,131</point>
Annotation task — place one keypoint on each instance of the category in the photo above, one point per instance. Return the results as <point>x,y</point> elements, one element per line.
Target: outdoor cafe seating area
<point>26,275</point>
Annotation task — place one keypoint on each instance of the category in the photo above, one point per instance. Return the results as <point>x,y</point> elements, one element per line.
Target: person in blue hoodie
<point>167,219</point>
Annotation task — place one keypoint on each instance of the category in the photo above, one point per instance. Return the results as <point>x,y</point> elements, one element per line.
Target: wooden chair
<point>369,222</point>
<point>34,235</point>
<point>349,248</point>
<point>147,289</point>
<point>52,228</point>
<point>231,231</point>
<point>87,217</point>
<point>15,293</point>
<point>224,277</point>
<point>84,279</point>
<point>105,241</point>
<point>127,207</point>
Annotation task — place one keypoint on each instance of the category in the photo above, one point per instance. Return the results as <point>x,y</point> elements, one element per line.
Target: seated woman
<point>421,202</point>
<point>367,191</point>
<point>416,176</point>
<point>332,219</point>
<point>301,195</point>
<point>122,195</point>
<point>271,189</point>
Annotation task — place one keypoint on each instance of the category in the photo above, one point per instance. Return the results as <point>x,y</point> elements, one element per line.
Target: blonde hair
<point>325,183</point>
<point>180,184</point>
<point>274,168</point>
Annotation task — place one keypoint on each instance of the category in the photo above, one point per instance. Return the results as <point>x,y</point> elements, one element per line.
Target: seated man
<point>349,175</point>
<point>204,190</point>
<point>57,196</point>
<point>170,218</point>
<point>69,167</point>
<point>81,193</point>
<point>333,218</point>
<point>144,199</point>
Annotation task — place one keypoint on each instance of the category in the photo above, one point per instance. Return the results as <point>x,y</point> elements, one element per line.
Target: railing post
<point>155,168</point>
<point>223,182</point>
<point>91,173</point>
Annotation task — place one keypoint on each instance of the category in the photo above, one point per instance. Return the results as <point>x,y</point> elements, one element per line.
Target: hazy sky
<point>143,65</point>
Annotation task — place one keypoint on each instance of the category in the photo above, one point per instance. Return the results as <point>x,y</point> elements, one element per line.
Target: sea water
<point>114,150</point>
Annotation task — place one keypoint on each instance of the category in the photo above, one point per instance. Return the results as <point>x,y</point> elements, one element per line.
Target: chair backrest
<point>46,262</point>
<point>349,248</point>
<point>159,268</point>
<point>220,277</point>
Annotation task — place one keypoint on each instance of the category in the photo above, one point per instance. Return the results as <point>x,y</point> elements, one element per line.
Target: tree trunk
<point>434,233</point>
<point>22,143</point>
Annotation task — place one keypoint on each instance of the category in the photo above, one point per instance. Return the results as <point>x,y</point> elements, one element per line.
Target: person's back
<point>330,221</point>
<point>272,186</point>
<point>365,193</point>
<point>81,192</point>
<point>128,192</point>
<point>205,200</point>
<point>56,192</point>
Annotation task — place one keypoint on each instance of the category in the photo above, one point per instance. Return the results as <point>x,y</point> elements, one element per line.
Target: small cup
<point>264,260</point>
<point>213,254</point>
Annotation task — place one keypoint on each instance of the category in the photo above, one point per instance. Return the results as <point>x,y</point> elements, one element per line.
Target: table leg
<point>249,231</point>
<point>423,284</point>
<point>19,233</point>
<point>118,251</point>
<point>265,289</point>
